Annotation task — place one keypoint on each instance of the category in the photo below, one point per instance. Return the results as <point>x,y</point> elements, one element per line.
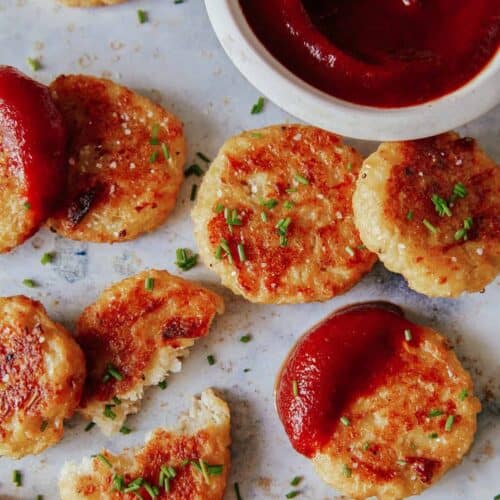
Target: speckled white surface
<point>176,58</point>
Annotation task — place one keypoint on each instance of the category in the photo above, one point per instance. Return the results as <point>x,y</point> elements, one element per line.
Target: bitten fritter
<point>430,209</point>
<point>191,462</point>
<point>134,335</point>
<point>405,436</point>
<point>273,216</point>
<point>125,160</point>
<point>42,371</point>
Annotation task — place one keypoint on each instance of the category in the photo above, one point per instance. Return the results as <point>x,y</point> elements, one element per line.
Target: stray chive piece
<point>152,491</point>
<point>211,360</point>
<point>433,435</point>
<point>429,226</point>
<point>125,430</point>
<point>104,460</point>
<point>223,247</point>
<point>459,190</point>
<point>295,389</point>
<point>292,494</point>
<point>263,217</point>
<point>108,412</point>
<point>89,426</point>
<point>39,497</point>
<point>116,400</point>
<point>409,215</point>
<point>153,157</point>
<point>258,106</point>
<point>112,372</point>
<point>345,421</point>
<point>435,413</point>
<point>282,227</point>
<point>194,191</point>
<point>163,385</point>
<point>165,151</point>
<point>449,423</point>
<point>29,283</point>
<point>366,446</point>
<point>463,394</point>
<point>296,481</point>
<point>34,63</point>
<point>203,157</point>
<point>245,339</point>
<point>47,258</point>
<point>149,284</point>
<point>270,204</point>
<point>462,232</point>
<point>142,16</point>
<point>118,483</point>
<point>301,179</point>
<point>232,218</point>
<point>219,208</point>
<point>497,497</point>
<point>27,205</point>
<point>194,169</point>
<point>350,251</point>
<point>237,491</point>
<point>17,478</point>
<point>288,204</point>
<point>185,260</point>
<point>178,1</point>
<point>291,190</point>
<point>408,335</point>
<point>347,471</point>
<point>134,485</point>
<point>349,166</point>
<point>241,252</point>
<point>402,463</point>
<point>441,205</point>
<point>43,425</point>
<point>155,130</point>
<point>246,370</point>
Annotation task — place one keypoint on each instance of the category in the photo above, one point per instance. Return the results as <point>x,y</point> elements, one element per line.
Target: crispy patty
<point>273,216</point>
<point>430,209</point>
<point>134,335</point>
<point>42,371</point>
<point>125,160</point>
<point>197,453</point>
<point>400,439</point>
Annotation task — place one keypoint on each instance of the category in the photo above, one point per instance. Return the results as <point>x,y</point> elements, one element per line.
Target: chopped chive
<point>350,251</point>
<point>153,157</point>
<point>429,226</point>
<point>224,245</point>
<point>194,169</point>
<point>288,204</point>
<point>178,1</point>
<point>441,205</point>
<point>43,425</point>
<point>112,371</point>
<point>258,106</point>
<point>34,63</point>
<point>185,260</point>
<point>449,423</point>
<point>204,471</point>
<point>245,339</point>
<point>263,216</point>
<point>345,421</point>
<point>117,400</point>
<point>435,413</point>
<point>151,490</point>
<point>366,446</point>
<point>461,233</point>
<point>401,462</point>
<point>270,204</point>
<point>47,258</point>
<point>468,223</point>
<point>237,491</point>
<point>89,426</point>
<point>433,435</point>
<point>241,252</point>
<point>409,215</point>
<point>149,284</point>
<point>27,205</point>
<point>347,471</point>
<point>29,283</point>
<point>301,179</point>
<point>118,483</point>
<point>295,389</point>
<point>39,497</point>
<point>194,190</point>
<point>165,151</point>
<point>104,460</point>
<point>142,16</point>
<point>219,208</point>
<point>163,385</point>
<point>497,497</point>
<point>211,360</point>
<point>125,430</point>
<point>215,470</point>
<point>201,156</point>
<point>292,494</point>
<point>459,190</point>
<point>291,190</point>
<point>218,253</point>
<point>283,240</point>
<point>155,129</point>
<point>296,481</point>
<point>463,394</point>
<point>108,412</point>
<point>17,478</point>
<point>349,166</point>
<point>408,335</point>
<point>134,485</point>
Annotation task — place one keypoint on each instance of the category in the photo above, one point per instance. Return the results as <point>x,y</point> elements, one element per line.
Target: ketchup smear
<point>348,355</point>
<point>384,53</point>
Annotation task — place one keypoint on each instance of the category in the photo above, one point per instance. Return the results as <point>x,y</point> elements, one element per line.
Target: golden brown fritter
<point>126,159</point>
<point>201,441</point>
<point>430,209</point>
<point>273,216</point>
<point>401,438</point>
<point>42,371</point>
<point>134,335</point>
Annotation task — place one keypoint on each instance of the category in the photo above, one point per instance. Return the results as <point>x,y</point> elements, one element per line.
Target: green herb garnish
<point>29,283</point>
<point>89,426</point>
<point>292,494</point>
<point>185,260</point>
<point>194,190</point>
<point>241,252</point>
<point>203,157</point>
<point>194,169</point>
<point>142,16</point>
<point>17,478</point>
<point>47,258</point>
<point>435,413</point>
<point>245,339</point>
<point>34,63</point>
<point>108,412</point>
<point>296,481</point>
<point>301,179</point>
<point>408,335</point>
<point>211,359</point>
<point>441,205</point>
<point>345,421</point>
<point>463,394</point>
<point>449,423</point>
<point>149,284</point>
<point>104,460</point>
<point>258,106</point>
<point>429,226</point>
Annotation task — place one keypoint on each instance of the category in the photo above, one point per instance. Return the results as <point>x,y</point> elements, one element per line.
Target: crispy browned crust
<point>42,371</point>
<point>403,458</point>
<point>323,257</point>
<point>128,326</point>
<point>116,188</point>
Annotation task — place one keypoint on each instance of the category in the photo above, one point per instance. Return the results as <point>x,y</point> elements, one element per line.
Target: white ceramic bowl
<point>352,120</point>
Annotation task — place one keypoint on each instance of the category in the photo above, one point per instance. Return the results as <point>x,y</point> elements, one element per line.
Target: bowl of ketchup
<point>384,70</point>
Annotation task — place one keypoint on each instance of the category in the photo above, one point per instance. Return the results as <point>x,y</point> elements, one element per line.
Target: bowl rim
<point>314,106</point>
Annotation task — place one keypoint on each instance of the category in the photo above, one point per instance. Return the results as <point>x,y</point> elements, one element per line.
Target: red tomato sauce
<point>384,53</point>
<point>348,355</point>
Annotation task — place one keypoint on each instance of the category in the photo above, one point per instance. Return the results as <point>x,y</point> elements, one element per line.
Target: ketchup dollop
<point>384,53</point>
<point>348,355</point>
